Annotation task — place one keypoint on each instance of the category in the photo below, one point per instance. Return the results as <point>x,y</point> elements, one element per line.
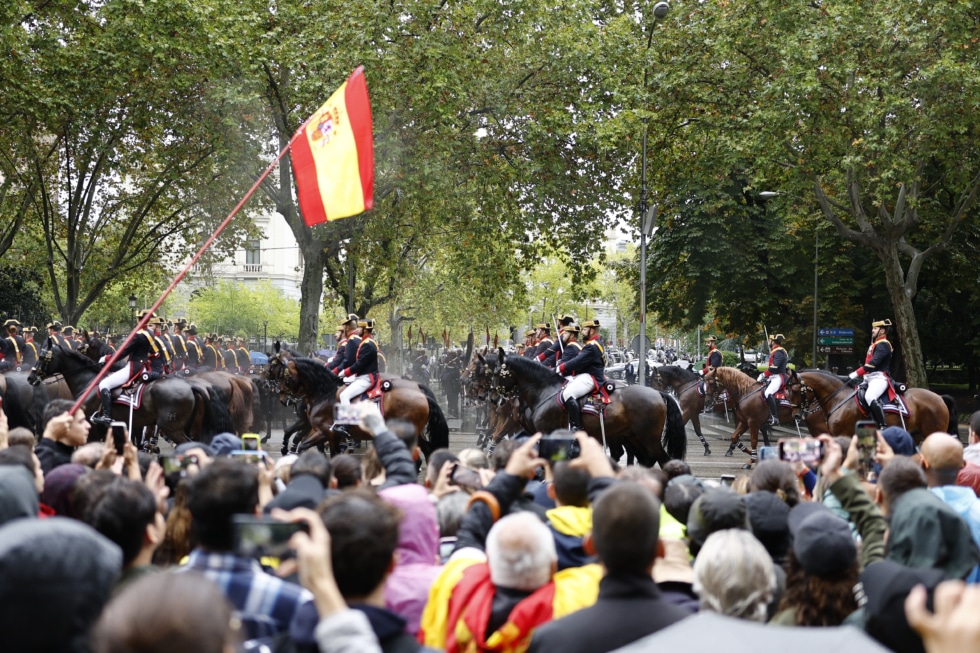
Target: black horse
<point>641,419</point>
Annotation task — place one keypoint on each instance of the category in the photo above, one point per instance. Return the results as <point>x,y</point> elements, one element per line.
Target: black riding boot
<point>574,414</point>
<point>773,410</point>
<point>105,417</point>
<point>878,413</point>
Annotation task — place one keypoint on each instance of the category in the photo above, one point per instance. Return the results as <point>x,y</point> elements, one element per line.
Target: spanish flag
<point>333,155</point>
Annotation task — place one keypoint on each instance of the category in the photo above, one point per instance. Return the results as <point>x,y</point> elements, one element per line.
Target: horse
<point>400,398</point>
<point>685,385</point>
<point>637,416</point>
<point>175,408</point>
<point>751,410</point>
<point>275,382</point>
<point>826,394</point>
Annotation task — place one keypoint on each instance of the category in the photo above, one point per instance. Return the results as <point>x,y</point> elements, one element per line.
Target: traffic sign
<point>841,333</point>
<point>835,341</point>
<point>835,349</point>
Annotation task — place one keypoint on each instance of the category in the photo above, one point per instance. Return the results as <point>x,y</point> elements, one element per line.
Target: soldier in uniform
<point>550,356</point>
<point>179,343</point>
<point>529,348</point>
<point>143,348</point>
<point>212,361</point>
<point>17,342</point>
<point>542,338</point>
<point>68,337</point>
<point>30,347</point>
<point>54,332</point>
<point>337,362</point>
<point>363,369</point>
<point>162,364</point>
<point>195,355</point>
<point>714,358</point>
<point>586,371</point>
<point>876,369</point>
<point>228,354</point>
<point>776,374</point>
<point>243,355</point>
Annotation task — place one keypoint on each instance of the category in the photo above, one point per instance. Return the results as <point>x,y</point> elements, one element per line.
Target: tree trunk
<point>312,288</point>
<point>904,318</point>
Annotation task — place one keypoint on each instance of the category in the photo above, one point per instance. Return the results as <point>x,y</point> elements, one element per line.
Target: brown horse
<point>638,419</point>
<point>407,400</point>
<point>685,386</point>
<point>826,394</point>
<point>751,410</point>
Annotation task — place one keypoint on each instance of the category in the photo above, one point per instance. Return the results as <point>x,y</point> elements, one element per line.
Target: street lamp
<point>265,337</point>
<point>647,214</point>
<point>132,312</point>
<point>767,195</point>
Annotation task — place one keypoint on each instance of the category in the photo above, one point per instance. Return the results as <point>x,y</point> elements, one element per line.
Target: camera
<point>176,463</point>
<point>345,414</point>
<point>806,450</point>
<point>558,446</point>
<point>250,457</point>
<point>251,442</point>
<point>259,537</point>
<point>118,436</point>
<point>867,435</point>
<point>465,477</point>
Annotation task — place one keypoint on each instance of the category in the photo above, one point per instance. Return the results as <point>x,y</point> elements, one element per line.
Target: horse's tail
<point>217,418</point>
<point>437,424</point>
<point>675,437</point>
<point>20,415</point>
<point>953,427</point>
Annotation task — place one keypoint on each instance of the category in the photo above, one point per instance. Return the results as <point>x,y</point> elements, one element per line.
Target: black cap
<point>822,541</point>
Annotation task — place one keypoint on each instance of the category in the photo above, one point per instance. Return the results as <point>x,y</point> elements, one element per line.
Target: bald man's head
<point>942,457</point>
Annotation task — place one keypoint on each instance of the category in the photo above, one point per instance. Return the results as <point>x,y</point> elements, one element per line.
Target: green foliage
<point>234,309</point>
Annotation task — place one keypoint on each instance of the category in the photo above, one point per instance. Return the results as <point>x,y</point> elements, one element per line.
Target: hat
<point>590,323</point>
<point>142,313</point>
<point>341,326</point>
<point>565,320</point>
<point>192,329</point>
<point>881,323</point>
<point>224,443</point>
<point>822,541</point>
<point>351,317</point>
<point>715,510</point>
<point>886,585</point>
<point>769,519</point>
<point>711,339</point>
<point>54,326</point>
<point>544,326</point>
<point>675,565</point>
<point>899,440</point>
<point>778,337</point>
<point>572,328</point>
<point>59,487</point>
<point>11,322</point>
<point>68,330</point>
<point>184,447</point>
<point>528,334</point>
<point>366,324</point>
<point>180,322</point>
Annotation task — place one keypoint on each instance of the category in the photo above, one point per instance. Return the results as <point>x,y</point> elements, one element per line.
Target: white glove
<point>102,360</point>
<point>700,372</point>
<point>762,377</point>
<point>852,375</point>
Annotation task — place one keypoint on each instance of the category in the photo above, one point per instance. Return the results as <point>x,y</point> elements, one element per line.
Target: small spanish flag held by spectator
<point>333,156</point>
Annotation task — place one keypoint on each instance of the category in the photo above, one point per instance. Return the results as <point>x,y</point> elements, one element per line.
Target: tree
<point>236,309</point>
<point>849,103</point>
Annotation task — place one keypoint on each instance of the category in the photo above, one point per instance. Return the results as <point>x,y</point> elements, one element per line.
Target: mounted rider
<point>363,370</point>
<point>876,369</point>
<point>553,354</point>
<point>180,344</point>
<point>777,375</point>
<point>54,332</point>
<point>585,373</point>
<point>195,355</point>
<point>29,344</point>
<point>159,326</point>
<point>68,337</point>
<point>542,338</point>
<point>142,350</point>
<point>228,354</point>
<point>712,361</point>
<point>346,327</point>
<point>529,348</point>
<point>213,360</point>
<point>243,355</point>
<point>12,327</point>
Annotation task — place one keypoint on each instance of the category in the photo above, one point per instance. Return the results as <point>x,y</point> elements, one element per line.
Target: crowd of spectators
<point>104,551</point>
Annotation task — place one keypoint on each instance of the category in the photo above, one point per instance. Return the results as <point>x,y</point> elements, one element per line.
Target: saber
<point>561,346</point>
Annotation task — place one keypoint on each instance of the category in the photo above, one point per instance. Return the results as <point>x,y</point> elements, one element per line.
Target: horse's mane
<point>70,353</point>
<point>735,378</point>
<point>830,375</point>
<point>316,373</point>
<point>676,372</point>
<point>532,370</point>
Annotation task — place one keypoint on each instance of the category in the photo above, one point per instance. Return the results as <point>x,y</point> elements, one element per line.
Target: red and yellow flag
<point>333,156</point>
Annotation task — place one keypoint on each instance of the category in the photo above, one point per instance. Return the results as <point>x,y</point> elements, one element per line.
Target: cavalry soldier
<point>17,341</point>
<point>569,338</point>
<point>352,328</point>
<point>363,370</point>
<point>143,348</point>
<point>529,347</point>
<point>29,344</point>
<point>340,335</point>
<point>212,358</point>
<point>195,355</point>
<point>714,358</point>
<point>776,374</point>
<point>243,356</point>
<point>162,364</point>
<point>68,337</point>
<point>550,357</point>
<point>179,343</point>
<point>54,332</point>
<point>161,329</point>
<point>876,369</point>
<point>542,334</point>
<point>228,354</point>
<point>586,372</point>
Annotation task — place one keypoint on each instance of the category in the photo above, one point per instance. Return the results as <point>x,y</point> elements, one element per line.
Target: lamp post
<point>132,312</point>
<point>648,215</point>
<point>265,336</point>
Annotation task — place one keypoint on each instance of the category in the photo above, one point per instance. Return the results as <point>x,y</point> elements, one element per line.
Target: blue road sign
<point>840,333</point>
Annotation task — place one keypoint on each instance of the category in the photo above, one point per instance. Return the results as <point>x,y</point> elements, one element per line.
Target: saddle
<point>892,401</point>
<point>129,395</point>
<point>596,401</point>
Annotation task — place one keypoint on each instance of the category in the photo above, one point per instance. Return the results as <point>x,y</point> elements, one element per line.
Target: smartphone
<point>768,453</point>
<point>727,480</point>
<point>175,463</point>
<point>559,445</point>
<point>345,414</point>
<point>251,442</point>
<point>465,477</point>
<point>867,435</point>
<point>258,537</point>
<point>119,436</point>
<point>805,450</point>
<point>250,457</point>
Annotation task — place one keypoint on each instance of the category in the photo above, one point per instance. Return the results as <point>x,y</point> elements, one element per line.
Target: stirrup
<point>101,418</point>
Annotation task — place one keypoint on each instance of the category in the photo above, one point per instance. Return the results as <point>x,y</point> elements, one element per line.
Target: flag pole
<point>142,323</point>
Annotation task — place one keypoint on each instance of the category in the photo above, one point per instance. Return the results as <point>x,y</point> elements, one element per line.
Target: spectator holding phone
<point>264,604</point>
<point>63,432</point>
